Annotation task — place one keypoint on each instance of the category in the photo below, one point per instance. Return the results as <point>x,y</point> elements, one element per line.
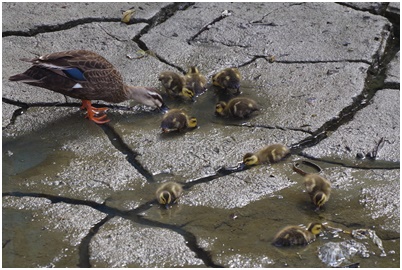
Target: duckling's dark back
<point>174,120</point>
<point>292,235</point>
<point>242,107</point>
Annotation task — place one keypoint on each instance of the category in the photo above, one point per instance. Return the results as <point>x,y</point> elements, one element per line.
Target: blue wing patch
<point>75,74</point>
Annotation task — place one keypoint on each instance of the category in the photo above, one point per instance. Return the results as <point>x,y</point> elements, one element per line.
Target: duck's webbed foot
<point>98,115</point>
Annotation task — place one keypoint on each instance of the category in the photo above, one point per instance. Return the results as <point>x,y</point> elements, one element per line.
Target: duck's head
<point>320,199</point>
<point>188,93</point>
<point>192,122</point>
<point>215,79</point>
<point>315,228</point>
<point>220,106</point>
<point>145,95</point>
<point>233,78</point>
<point>193,70</point>
<point>250,159</point>
<point>165,198</point>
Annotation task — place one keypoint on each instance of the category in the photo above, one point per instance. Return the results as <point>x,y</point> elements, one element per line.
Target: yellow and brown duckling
<point>168,193</point>
<point>239,107</point>
<point>318,188</point>
<point>228,79</point>
<point>270,154</point>
<point>296,235</point>
<point>177,120</point>
<point>175,85</point>
<point>195,81</point>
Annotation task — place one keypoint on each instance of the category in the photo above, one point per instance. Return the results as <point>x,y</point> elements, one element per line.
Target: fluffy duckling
<point>296,235</point>
<point>168,193</point>
<point>236,107</point>
<point>195,81</point>
<point>270,154</point>
<point>175,85</point>
<point>228,79</point>
<point>318,188</point>
<point>177,120</point>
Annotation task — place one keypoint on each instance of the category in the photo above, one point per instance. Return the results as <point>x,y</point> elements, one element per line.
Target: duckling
<point>168,193</point>
<point>228,79</point>
<point>236,107</point>
<point>272,153</point>
<point>177,120</point>
<point>296,235</point>
<point>318,188</point>
<point>174,85</point>
<point>195,81</point>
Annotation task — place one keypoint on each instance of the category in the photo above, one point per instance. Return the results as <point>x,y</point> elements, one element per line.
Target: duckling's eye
<point>193,121</point>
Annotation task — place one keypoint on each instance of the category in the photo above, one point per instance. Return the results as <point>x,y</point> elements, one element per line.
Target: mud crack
<point>190,240</point>
<point>375,81</point>
<point>223,15</point>
<point>131,155</point>
<point>133,215</point>
<point>163,15</point>
<point>83,248</point>
<point>24,106</point>
<point>267,127</point>
<point>58,27</point>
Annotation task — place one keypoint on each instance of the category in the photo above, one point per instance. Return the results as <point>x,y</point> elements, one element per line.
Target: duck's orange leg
<point>97,115</point>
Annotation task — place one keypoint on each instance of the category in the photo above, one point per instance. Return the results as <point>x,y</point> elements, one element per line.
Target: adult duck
<point>87,76</point>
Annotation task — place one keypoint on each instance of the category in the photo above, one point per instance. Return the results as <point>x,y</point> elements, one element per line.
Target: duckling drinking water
<point>228,79</point>
<point>175,85</point>
<point>296,235</point>
<point>195,81</point>
<point>177,120</point>
<point>168,193</point>
<point>270,154</point>
<point>318,188</point>
<point>239,107</point>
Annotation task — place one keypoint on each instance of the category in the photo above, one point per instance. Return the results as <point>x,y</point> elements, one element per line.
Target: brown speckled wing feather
<point>82,59</point>
<point>104,84</point>
<point>100,81</point>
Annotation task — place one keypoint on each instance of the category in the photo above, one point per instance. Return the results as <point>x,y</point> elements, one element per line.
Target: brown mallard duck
<point>195,80</point>
<point>270,154</point>
<point>239,107</point>
<point>168,193</point>
<point>228,79</point>
<point>177,120</point>
<point>87,76</point>
<point>296,235</point>
<point>175,85</point>
<point>318,188</point>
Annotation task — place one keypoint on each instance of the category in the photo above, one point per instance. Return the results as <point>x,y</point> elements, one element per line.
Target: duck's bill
<point>241,166</point>
<point>164,109</point>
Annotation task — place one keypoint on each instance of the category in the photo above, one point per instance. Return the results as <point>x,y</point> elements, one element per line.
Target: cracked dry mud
<point>79,194</point>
